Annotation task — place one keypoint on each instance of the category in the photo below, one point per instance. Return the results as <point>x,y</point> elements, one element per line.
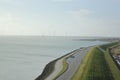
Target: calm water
<point>24,58</point>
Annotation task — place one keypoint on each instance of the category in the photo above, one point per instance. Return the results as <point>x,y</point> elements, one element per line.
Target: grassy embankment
<point>97,65</point>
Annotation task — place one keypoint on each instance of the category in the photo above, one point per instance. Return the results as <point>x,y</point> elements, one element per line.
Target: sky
<point>60,17</point>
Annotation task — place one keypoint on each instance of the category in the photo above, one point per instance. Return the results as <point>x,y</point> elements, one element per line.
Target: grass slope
<point>94,67</point>
<point>98,68</point>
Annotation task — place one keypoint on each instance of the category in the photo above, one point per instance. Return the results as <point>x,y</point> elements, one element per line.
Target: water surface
<point>24,58</point>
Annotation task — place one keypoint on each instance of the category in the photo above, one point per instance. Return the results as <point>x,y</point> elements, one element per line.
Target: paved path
<point>58,67</point>
<point>101,49</point>
<point>73,62</point>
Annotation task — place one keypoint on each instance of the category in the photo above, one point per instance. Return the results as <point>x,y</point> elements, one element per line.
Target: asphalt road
<point>73,64</point>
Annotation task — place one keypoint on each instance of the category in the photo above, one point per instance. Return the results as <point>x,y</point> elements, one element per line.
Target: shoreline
<point>55,68</point>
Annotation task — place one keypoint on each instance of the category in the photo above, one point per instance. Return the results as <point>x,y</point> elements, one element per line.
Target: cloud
<point>82,12</point>
<point>7,1</point>
<point>62,0</point>
<point>6,19</point>
<point>11,2</point>
<point>10,24</point>
<point>85,20</point>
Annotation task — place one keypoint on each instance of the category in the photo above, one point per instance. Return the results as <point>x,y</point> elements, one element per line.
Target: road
<point>58,67</point>
<point>73,63</point>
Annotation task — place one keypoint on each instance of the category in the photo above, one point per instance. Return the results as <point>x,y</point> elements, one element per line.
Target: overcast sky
<point>60,17</point>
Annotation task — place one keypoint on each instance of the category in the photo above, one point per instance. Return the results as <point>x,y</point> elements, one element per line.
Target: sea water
<point>24,57</point>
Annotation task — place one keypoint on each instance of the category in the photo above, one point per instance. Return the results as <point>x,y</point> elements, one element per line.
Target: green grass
<point>98,69</point>
<point>97,65</point>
